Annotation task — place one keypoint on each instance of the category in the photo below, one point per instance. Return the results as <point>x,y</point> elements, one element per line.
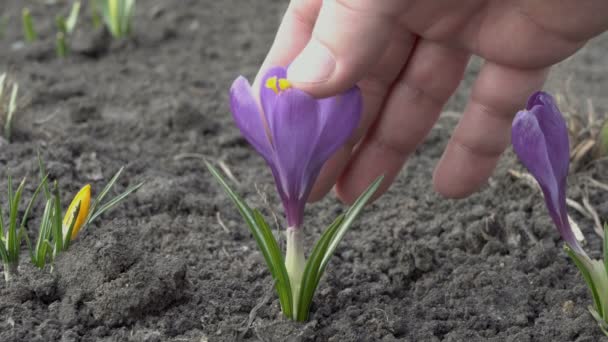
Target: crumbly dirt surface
<point>161,267</point>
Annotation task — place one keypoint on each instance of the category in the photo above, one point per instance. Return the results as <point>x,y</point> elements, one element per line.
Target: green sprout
<point>296,298</point>
<point>602,140</point>
<point>11,231</point>
<point>11,107</point>
<point>117,15</point>
<point>56,234</point>
<point>66,27</point>
<point>28,26</point>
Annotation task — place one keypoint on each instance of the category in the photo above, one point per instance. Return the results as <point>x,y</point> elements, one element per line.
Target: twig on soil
<point>598,228</point>
<point>597,184</point>
<point>253,313</point>
<point>46,118</point>
<point>218,217</point>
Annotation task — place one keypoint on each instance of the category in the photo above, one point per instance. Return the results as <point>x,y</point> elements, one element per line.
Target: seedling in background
<point>28,26</point>
<point>11,231</point>
<point>57,231</point>
<point>296,134</point>
<point>117,15</point>
<point>540,140</point>
<point>8,106</point>
<point>66,27</point>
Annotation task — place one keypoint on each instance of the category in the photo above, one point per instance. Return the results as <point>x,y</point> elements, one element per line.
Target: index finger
<point>292,36</point>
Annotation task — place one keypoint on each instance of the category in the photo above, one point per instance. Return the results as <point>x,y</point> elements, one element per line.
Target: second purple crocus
<point>540,140</point>
<point>294,132</point>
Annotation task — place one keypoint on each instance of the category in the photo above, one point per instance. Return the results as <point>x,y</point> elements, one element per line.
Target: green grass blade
<point>325,248</point>
<point>28,26</point>
<point>70,23</point>
<point>43,175</point>
<point>349,218</point>
<point>57,224</point>
<point>115,201</point>
<point>586,276</point>
<point>278,270</point>
<point>12,107</point>
<point>606,248</point>
<point>61,47</point>
<point>2,226</point>
<point>265,241</point>
<point>2,83</point>
<point>310,275</point>
<point>28,243</point>
<point>102,194</point>
<point>14,243</point>
<point>60,22</point>
<point>4,254</point>
<point>30,204</point>
<point>44,234</point>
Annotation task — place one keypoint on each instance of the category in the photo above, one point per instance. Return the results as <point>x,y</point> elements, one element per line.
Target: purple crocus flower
<point>540,140</point>
<point>294,132</point>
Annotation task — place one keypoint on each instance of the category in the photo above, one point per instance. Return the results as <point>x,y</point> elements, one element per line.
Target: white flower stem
<point>295,262</point>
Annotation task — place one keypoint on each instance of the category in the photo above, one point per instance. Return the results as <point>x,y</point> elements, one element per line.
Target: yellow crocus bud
<point>83,197</point>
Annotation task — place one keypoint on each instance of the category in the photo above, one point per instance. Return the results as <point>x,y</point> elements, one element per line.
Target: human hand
<point>408,57</point>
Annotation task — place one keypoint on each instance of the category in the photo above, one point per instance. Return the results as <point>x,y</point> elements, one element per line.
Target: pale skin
<point>408,57</point>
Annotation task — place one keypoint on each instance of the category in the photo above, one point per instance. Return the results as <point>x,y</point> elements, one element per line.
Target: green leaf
<point>72,20</point>
<point>606,247</point>
<point>28,26</point>
<point>114,202</point>
<point>43,175</point>
<point>325,247</point>
<point>265,241</point>
<point>2,83</point>
<point>44,234</point>
<point>12,107</point>
<point>602,140</point>
<point>61,25</point>
<point>586,276</point>
<point>310,277</point>
<point>4,254</point>
<point>13,242</point>
<point>102,195</point>
<point>26,214</point>
<point>57,224</point>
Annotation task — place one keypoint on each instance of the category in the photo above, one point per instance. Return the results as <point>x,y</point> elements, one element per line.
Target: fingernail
<point>314,64</point>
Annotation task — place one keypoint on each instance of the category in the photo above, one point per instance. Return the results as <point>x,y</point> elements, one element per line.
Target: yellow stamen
<point>277,84</point>
<point>83,197</point>
<point>284,84</point>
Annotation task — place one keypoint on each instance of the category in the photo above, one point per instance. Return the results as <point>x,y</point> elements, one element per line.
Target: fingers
<point>347,40</point>
<point>415,101</point>
<point>483,132</point>
<point>293,34</point>
<point>374,89</point>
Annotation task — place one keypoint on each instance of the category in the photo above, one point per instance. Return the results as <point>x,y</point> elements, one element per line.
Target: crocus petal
<point>553,126</point>
<point>339,116</point>
<point>532,147</point>
<point>81,201</point>
<point>267,95</point>
<point>248,118</point>
<point>294,126</point>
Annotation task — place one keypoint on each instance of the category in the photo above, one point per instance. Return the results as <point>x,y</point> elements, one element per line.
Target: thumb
<point>346,42</point>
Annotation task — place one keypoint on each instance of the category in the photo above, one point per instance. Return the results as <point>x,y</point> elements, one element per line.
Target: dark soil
<point>415,267</point>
